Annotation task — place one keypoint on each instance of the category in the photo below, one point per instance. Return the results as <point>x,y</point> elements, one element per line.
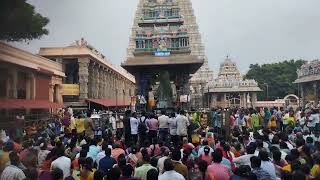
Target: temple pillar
<point>13,83</point>
<point>225,103</point>
<point>111,86</point>
<point>94,82</point>
<point>97,85</point>
<point>108,84</point>
<point>83,77</point>
<point>244,100</point>
<point>213,100</point>
<point>51,92</point>
<point>104,84</point>
<point>316,98</point>
<point>91,80</point>
<point>114,86</point>
<point>302,95</point>
<point>33,86</point>
<point>58,93</point>
<point>28,86</point>
<point>254,99</point>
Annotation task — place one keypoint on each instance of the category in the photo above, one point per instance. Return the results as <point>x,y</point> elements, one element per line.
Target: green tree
<point>277,77</point>
<point>19,21</point>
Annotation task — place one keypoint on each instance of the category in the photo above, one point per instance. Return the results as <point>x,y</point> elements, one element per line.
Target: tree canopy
<point>277,77</point>
<point>19,21</point>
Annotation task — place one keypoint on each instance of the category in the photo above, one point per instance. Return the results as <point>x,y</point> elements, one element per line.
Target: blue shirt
<point>106,163</point>
<point>261,174</point>
<point>269,168</point>
<point>93,152</point>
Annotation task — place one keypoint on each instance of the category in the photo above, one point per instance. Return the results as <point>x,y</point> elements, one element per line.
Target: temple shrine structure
<point>165,40</point>
<point>230,89</point>
<point>90,78</point>
<point>309,83</point>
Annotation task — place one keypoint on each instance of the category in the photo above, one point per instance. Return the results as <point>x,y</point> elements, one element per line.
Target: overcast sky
<point>249,31</point>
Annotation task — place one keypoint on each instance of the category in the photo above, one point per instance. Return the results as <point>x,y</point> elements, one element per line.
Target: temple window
<point>168,13</point>
<point>139,44</point>
<point>175,12</point>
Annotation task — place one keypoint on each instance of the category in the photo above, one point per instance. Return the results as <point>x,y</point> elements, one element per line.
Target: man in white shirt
<point>12,171</point>
<point>112,121</point>
<point>163,126</point>
<point>161,162</point>
<point>245,159</point>
<point>101,154</point>
<point>182,125</point>
<point>62,162</point>
<point>134,123</point>
<point>173,129</point>
<point>169,172</point>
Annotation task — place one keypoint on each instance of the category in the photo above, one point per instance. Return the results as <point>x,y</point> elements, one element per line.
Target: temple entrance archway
<point>234,102</point>
<point>234,99</point>
<point>291,100</point>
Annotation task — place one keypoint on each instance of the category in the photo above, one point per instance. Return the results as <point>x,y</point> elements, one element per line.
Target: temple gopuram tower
<point>230,89</point>
<point>204,75</point>
<point>165,37</point>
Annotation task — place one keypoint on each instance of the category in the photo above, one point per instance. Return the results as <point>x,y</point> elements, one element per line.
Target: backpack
<point>142,127</point>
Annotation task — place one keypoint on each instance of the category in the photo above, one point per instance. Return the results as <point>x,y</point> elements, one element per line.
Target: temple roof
<point>192,62</point>
<point>236,89</point>
<point>308,72</point>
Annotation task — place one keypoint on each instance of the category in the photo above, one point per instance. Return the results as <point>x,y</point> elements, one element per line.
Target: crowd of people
<point>261,144</point>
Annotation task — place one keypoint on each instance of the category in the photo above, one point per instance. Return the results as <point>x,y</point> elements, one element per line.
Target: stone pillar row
<point>98,82</point>
<point>83,77</point>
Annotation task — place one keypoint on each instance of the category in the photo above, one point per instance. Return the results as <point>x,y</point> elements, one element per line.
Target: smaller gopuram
<point>230,89</point>
<point>308,82</point>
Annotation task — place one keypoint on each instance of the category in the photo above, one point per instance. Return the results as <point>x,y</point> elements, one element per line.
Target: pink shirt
<point>153,124</point>
<point>219,171</point>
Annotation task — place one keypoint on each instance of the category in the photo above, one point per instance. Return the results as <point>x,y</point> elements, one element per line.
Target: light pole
<point>267,85</point>
<point>208,97</point>
<point>202,90</point>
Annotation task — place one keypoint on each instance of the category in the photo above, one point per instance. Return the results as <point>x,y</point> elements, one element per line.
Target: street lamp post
<point>202,90</point>
<point>267,86</point>
<point>208,97</point>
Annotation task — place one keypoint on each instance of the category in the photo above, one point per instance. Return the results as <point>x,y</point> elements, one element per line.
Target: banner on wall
<point>70,89</point>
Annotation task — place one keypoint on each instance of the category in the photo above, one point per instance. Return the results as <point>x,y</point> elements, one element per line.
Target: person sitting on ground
<point>116,151</point>
<point>87,172</point>
<point>245,159</point>
<point>62,162</point>
<point>266,165</point>
<point>126,172</point>
<point>257,170</point>
<point>12,171</point>
<point>315,170</point>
